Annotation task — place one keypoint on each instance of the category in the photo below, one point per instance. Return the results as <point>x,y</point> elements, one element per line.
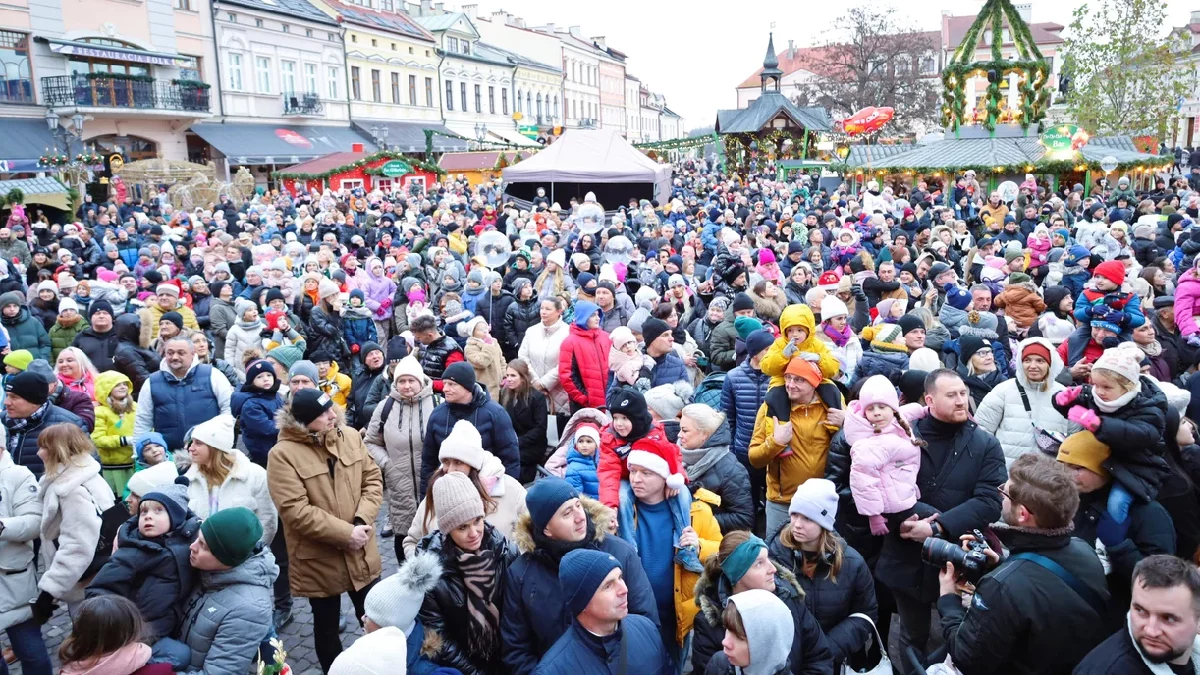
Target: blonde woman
<point>553,282</point>
<point>76,372</point>
<point>222,477</point>
<point>74,494</point>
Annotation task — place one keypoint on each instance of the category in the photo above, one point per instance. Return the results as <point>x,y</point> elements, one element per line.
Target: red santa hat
<point>665,464</point>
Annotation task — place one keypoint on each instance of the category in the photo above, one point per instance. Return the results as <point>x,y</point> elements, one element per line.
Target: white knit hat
<point>327,288</point>
<point>925,359</point>
<point>817,500</point>
<point>67,303</point>
<point>1124,360</point>
<point>558,257</point>
<point>395,600</point>
<point>144,481</point>
<point>216,433</point>
<point>668,400</point>
<point>378,653</point>
<point>48,285</point>
<point>620,336</point>
<point>832,306</point>
<point>170,289</point>
<point>464,444</point>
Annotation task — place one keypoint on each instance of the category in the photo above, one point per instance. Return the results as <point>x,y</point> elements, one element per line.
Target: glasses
<point>983,352</point>
<point>1004,493</point>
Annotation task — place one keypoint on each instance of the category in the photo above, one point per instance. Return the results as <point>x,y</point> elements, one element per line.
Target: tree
<point>875,59</point>
<point>1123,79</point>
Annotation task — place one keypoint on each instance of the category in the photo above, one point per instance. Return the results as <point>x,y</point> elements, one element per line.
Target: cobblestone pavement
<point>297,636</point>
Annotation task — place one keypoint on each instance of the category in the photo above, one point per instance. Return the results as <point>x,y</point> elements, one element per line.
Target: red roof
<point>1046,33</point>
<point>811,59</point>
<point>322,165</point>
<point>474,161</point>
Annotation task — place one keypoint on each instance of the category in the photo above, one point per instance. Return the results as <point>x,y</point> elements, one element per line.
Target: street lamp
<point>75,168</point>
<point>379,135</point>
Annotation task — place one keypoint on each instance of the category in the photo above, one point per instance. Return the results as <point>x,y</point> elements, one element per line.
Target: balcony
<point>16,92</point>
<point>302,104</point>
<point>102,91</point>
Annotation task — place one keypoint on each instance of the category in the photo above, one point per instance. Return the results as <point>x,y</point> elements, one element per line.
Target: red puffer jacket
<point>612,468</point>
<point>583,366</point>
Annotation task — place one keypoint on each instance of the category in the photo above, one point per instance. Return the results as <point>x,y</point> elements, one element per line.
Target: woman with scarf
<point>463,609</point>
<point>1145,338</point>
<point>704,439</point>
<point>1018,410</point>
<point>76,372</point>
<point>742,564</point>
<point>553,282</point>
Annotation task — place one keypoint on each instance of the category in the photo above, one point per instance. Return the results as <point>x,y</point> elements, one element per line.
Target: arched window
<point>539,106</point>
<point>529,103</point>
<point>556,106</point>
<point>519,102</point>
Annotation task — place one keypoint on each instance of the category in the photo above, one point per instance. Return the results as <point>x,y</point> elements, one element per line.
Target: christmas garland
<point>677,143</point>
<point>362,164</point>
<point>1057,166</point>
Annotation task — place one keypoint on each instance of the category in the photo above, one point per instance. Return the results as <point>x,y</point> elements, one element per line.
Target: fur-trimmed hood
<point>712,591</point>
<point>600,515</point>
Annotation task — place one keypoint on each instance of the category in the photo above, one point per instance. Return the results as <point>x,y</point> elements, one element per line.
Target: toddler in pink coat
<point>884,454</point>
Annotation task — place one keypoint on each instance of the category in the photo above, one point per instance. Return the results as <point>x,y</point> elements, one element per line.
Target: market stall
<point>386,171</point>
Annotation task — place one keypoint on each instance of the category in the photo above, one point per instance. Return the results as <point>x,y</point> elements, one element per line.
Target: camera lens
<point>938,552</point>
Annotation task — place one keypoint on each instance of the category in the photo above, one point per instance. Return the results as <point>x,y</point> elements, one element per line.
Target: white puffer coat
<point>21,511</point>
<point>245,486</point>
<point>1002,413</point>
<point>540,348</point>
<point>72,501</point>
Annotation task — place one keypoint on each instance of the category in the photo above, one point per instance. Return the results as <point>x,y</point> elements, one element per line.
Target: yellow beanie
<point>1084,449</point>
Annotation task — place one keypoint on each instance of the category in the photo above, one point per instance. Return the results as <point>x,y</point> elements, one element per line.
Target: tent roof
<point>588,156</point>
<point>983,153</point>
<point>765,108</point>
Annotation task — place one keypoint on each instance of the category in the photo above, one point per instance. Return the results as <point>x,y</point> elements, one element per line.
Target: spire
<point>771,71</point>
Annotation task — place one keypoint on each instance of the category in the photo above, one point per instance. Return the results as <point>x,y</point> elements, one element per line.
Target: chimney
<point>1025,11</point>
<point>599,40</point>
<point>575,31</point>
<point>1195,16</point>
<point>471,10</point>
<point>440,7</point>
<point>517,21</point>
<point>550,28</point>
<point>426,7</point>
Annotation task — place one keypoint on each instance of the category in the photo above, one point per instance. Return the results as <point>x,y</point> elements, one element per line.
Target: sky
<point>696,52</point>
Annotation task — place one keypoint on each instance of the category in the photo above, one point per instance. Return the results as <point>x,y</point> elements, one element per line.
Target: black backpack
<point>110,524</point>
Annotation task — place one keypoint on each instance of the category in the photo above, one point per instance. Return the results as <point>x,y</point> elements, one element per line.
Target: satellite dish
<point>589,218</point>
<point>494,247</point>
<point>1008,190</point>
<point>618,250</point>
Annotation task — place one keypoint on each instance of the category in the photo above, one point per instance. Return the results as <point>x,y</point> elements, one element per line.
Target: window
<point>426,53</point>
<point>519,102</point>
<point>308,32</point>
<point>556,106</point>
<point>332,37</point>
<point>395,87</point>
<point>478,99</point>
<point>539,107</point>
<point>189,66</point>
<point>231,17</point>
<point>235,72</point>
<point>351,183</point>
<point>410,50</point>
<point>258,23</point>
<point>285,28</point>
<point>333,82</point>
<point>412,89</point>
<point>376,93</point>
<point>491,100</point>
<point>449,95</point>
<point>393,46</point>
<point>466,47</point>
<point>387,5</point>
<point>462,90</point>
<point>452,44</point>
<point>355,86</point>
<point>504,101</point>
<point>288,69</point>
<point>429,92</point>
<point>262,73</point>
<point>353,37</point>
<point>310,78</point>
<point>374,42</point>
<point>928,65</point>
<point>183,4</point>
<point>384,185</point>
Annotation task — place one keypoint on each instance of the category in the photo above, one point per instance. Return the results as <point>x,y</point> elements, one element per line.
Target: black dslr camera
<point>970,564</point>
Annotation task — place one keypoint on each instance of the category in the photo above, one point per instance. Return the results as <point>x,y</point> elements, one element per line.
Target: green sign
<point>1064,138</point>
<point>395,167</point>
<point>528,130</point>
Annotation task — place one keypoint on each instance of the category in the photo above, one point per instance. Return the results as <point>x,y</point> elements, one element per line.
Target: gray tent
<point>590,160</point>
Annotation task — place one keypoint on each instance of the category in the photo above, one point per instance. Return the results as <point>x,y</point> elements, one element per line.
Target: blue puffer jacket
<point>489,419</point>
<point>358,328</point>
<point>742,395</point>
<point>880,363</point>
<point>581,472</point>
<point>669,369</point>
<point>256,416</point>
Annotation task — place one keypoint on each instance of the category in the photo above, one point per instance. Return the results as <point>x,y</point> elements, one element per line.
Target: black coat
<point>444,611</point>
<point>359,389</point>
<point>1135,434</point>
<point>1116,656</point>
<point>324,334</point>
<point>494,309</point>
<point>529,421</point>
<point>728,479</point>
<point>130,358</point>
<point>832,602</point>
<point>810,653</point>
<point>99,347</point>
<point>961,468</point>
<point>154,573</point>
<point>518,318</point>
<point>1024,619</point>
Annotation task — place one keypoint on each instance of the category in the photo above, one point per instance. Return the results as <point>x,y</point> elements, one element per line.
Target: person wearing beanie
<point>229,612</point>
<point>17,361</point>
<point>598,606</point>
<point>391,611</point>
<point>165,300</point>
<point>583,358</point>
<point>330,536</point>
<point>24,330</point>
<point>464,607</point>
<point>222,475</point>
<point>1106,304</point>
<point>723,341</point>
<point>256,404</point>
<point>373,364</point>
<point>28,411</point>
<point>144,567</point>
<point>665,402</point>
<point>379,651</point>
<point>912,329</point>
<point>1019,410</point>
<point>96,336</point>
<point>837,334</point>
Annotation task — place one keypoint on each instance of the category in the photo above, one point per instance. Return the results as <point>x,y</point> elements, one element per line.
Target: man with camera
<point>1040,610</point>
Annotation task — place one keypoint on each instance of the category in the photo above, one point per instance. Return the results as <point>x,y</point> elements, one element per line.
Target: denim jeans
<point>681,514</point>
<point>27,644</point>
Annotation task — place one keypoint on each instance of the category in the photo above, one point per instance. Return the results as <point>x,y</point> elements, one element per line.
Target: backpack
<point>709,391</point>
<point>110,524</point>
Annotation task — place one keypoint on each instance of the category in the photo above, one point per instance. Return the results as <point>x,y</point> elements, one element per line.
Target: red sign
<point>289,136</point>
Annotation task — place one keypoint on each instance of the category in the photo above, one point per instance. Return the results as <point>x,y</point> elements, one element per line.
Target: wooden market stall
<point>478,167</point>
<point>386,171</point>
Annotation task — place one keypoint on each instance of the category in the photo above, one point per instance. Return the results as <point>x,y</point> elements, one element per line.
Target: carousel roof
<point>982,154</point>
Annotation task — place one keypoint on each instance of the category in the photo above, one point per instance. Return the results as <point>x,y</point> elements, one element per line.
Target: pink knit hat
<point>765,256</point>
<point>877,389</point>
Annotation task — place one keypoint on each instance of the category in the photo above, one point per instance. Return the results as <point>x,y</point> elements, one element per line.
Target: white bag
<point>884,667</point>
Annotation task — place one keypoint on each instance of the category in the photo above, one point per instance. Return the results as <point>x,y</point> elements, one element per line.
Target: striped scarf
<point>479,579</point>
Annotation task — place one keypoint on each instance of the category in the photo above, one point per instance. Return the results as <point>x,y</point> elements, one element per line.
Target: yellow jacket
<point>152,314</point>
<point>709,532</point>
<point>336,385</point>
<point>113,435</point>
<point>458,242</point>
<point>775,363</point>
<point>809,445</point>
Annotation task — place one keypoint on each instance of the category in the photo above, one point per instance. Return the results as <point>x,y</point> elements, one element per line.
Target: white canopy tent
<point>596,160</point>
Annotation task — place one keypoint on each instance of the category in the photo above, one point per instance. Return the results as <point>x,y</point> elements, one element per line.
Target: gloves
<point>857,290</point>
<point>43,608</point>
<point>1067,396</point>
<point>1194,339</point>
<point>1085,418</point>
<point>878,525</point>
<point>354,349</point>
<point>790,350</point>
<point>1109,531</point>
<point>386,304</point>
<point>810,356</point>
<point>1115,317</point>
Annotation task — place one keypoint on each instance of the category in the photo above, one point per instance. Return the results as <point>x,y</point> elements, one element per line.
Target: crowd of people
<point>736,431</point>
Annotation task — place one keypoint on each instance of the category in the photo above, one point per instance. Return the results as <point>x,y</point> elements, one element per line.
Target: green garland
<point>677,143</point>
<point>1057,166</point>
<point>361,164</point>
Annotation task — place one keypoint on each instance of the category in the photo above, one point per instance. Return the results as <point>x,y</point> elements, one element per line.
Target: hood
<point>582,416</point>
<point>721,437</point>
<point>258,570</point>
<point>600,515</point>
<point>371,263</point>
<point>1056,362</point>
<point>107,381</point>
<point>584,311</point>
<point>129,328</point>
<point>797,315</point>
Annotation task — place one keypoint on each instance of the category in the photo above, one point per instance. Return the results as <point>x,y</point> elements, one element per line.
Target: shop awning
<point>47,191</point>
<point>513,136</point>
<point>410,136</point>
<point>257,144</point>
<point>22,141</point>
<point>87,49</point>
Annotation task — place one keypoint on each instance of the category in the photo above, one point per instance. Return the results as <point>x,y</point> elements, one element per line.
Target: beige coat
<point>489,364</point>
<point>152,314</point>
<point>396,448</point>
<point>506,490</point>
<point>72,501</point>
<point>540,348</point>
<point>319,505</point>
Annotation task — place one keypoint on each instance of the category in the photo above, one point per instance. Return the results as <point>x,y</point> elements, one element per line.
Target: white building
<point>581,70</point>
<point>633,108</point>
